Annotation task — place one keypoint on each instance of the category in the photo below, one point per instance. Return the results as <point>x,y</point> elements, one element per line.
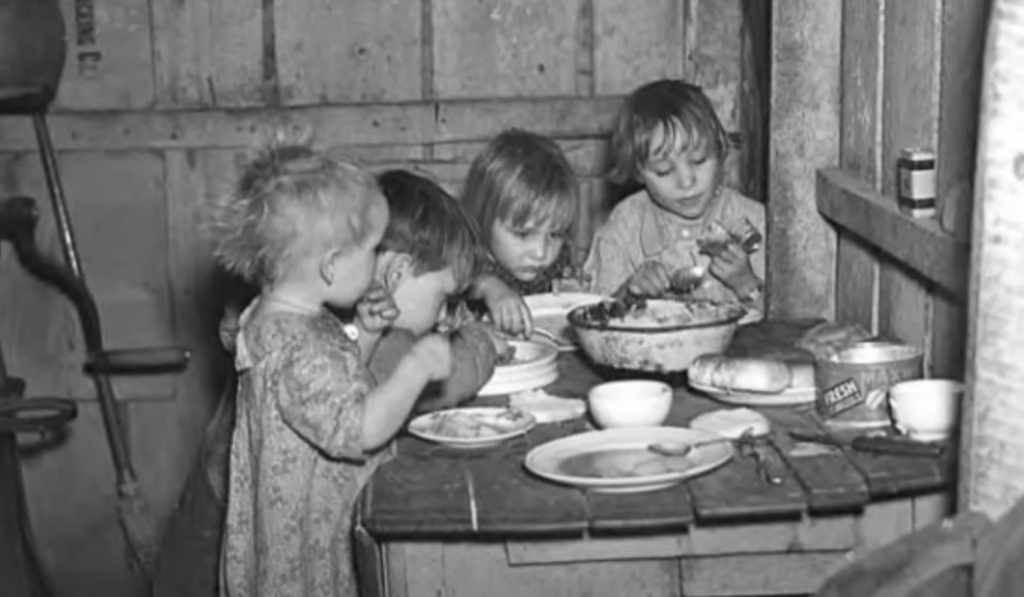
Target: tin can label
<point>854,392</point>
<point>917,183</point>
<point>839,398</point>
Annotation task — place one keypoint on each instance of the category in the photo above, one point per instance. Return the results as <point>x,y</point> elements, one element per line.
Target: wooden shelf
<point>920,244</point>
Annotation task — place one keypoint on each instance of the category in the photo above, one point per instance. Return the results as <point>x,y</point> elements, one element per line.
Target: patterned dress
<point>297,465</point>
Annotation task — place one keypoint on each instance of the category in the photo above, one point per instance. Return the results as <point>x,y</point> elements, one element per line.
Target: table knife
<point>879,444</point>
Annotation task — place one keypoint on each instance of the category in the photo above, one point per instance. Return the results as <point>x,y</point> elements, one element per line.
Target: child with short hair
<point>430,253</point>
<point>668,137</point>
<point>524,197</point>
<point>305,227</point>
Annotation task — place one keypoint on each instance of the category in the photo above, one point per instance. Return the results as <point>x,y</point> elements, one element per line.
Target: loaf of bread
<point>743,374</point>
<point>827,339</point>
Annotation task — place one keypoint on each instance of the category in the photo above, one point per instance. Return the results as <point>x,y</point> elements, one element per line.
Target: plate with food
<point>522,366</point>
<point>625,460</point>
<point>750,381</point>
<point>473,427</point>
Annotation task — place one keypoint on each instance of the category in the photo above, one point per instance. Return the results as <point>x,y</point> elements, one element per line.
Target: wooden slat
<point>475,569</point>
<point>961,53</point>
<point>832,533</point>
<point>378,124</point>
<point>585,40</point>
<point>330,52</point>
<point>624,60</point>
<point>892,475</point>
<point>38,326</point>
<point>208,54</point>
<point>919,244</point>
<point>804,135</point>
<point>856,286</point>
<point>508,500</point>
<point>713,53</point>
<point>856,283</point>
<point>830,481</point>
<point>441,496</point>
<point>948,335</point>
<point>664,511</point>
<point>737,492</point>
<point>504,49</point>
<point>909,119</point>
<point>109,63</point>
<point>760,575</point>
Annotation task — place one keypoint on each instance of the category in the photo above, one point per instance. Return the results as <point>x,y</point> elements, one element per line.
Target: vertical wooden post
<point>805,98</point>
<point>992,446</point>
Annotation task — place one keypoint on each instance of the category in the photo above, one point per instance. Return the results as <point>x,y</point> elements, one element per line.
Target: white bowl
<point>630,403</point>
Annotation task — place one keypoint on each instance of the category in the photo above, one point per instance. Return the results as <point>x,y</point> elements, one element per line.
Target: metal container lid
<point>917,153</point>
<point>873,352</point>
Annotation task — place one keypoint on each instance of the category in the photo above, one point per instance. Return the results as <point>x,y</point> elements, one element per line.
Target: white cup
<point>926,409</point>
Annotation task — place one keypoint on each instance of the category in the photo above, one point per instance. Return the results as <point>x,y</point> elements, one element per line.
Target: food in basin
<point>656,335</point>
<point>630,403</point>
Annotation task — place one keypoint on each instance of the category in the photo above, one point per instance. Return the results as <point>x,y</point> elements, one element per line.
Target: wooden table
<point>436,521</point>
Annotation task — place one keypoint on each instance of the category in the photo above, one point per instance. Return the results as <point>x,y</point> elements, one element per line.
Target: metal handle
<point>769,465</point>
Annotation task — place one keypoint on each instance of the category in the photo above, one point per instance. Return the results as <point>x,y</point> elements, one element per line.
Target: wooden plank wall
<point>910,78</point>
<point>158,101</point>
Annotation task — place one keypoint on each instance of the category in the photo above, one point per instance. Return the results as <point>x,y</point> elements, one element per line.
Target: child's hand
<point>731,265</point>
<point>230,325</point>
<point>433,354</point>
<point>377,309</point>
<point>650,279</point>
<point>508,310</point>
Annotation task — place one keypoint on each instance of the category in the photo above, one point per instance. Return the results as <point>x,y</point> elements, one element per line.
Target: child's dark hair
<point>430,225</point>
<point>673,106</point>
<point>523,179</point>
<point>291,205</point>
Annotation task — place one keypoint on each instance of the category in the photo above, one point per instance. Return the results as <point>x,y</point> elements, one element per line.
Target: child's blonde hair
<point>292,204</point>
<point>670,105</point>
<point>523,179</point>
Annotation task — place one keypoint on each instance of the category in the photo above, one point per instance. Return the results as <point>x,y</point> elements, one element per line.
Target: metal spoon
<point>687,280</point>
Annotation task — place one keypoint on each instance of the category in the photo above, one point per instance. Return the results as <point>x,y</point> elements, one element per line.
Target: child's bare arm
<point>390,403</point>
<point>507,308</point>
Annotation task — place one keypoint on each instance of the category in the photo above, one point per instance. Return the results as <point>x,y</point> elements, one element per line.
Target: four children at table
<point>312,231</point>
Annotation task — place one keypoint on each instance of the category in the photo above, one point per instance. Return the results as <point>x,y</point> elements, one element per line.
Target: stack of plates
<point>534,366</point>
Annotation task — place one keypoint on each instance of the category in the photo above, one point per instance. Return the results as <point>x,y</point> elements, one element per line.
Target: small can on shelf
<point>917,182</point>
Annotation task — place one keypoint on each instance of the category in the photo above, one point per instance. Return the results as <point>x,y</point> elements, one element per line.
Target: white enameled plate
<point>789,397</point>
<point>534,366</point>
<point>473,427</point>
<point>619,461</point>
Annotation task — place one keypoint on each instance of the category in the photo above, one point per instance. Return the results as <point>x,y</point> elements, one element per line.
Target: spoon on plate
<point>676,448</point>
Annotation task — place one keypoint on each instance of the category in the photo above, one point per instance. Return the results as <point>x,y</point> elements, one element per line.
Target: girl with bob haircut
<point>524,197</point>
